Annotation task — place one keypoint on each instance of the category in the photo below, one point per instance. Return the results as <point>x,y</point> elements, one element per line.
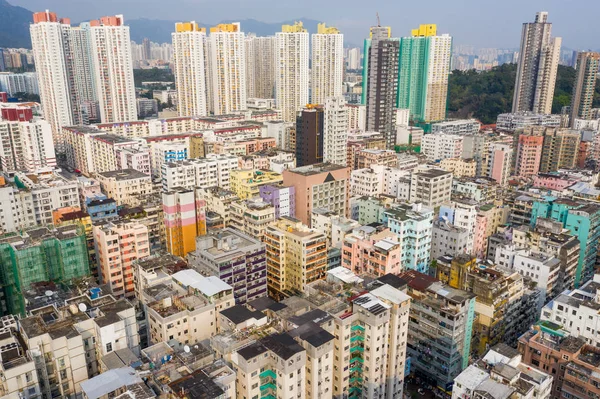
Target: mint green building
<point>582,219</point>
<point>423,70</point>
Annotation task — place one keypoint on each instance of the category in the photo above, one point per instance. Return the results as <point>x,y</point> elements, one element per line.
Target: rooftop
<point>225,242</point>
<point>433,173</point>
<point>238,314</point>
<point>283,345</point>
<point>109,381</point>
<point>124,174</point>
<point>197,385</point>
<point>209,286</point>
<point>313,334</point>
<point>316,169</point>
<point>162,260</point>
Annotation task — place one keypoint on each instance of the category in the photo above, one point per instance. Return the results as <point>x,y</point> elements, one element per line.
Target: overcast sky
<point>483,23</point>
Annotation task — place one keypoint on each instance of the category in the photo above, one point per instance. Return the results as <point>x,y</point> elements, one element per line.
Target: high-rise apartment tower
<point>537,67</point>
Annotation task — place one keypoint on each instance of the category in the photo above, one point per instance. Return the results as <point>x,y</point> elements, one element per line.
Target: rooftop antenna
<point>378,22</point>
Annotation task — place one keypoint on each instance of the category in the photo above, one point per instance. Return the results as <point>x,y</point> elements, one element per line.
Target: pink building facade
<point>529,154</point>
<point>366,251</point>
<point>118,245</point>
<point>553,181</point>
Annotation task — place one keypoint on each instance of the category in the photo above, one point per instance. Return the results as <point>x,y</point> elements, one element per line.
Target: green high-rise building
<point>423,70</point>
<point>39,255</point>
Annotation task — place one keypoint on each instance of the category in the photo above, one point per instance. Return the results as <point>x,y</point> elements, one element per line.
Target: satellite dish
<point>186,349</point>
<point>196,346</point>
<point>49,293</point>
<point>82,307</point>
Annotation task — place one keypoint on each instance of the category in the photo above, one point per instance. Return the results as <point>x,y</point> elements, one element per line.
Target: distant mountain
<point>14,25</point>
<point>159,31</point>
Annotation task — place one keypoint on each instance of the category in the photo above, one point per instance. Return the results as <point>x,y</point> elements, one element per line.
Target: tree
<point>484,95</point>
<point>153,75</point>
<point>25,97</point>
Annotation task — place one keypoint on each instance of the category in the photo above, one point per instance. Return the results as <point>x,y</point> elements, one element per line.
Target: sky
<point>482,23</point>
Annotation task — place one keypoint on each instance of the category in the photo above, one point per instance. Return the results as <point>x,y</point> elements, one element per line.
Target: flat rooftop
<point>316,169</point>
<point>433,173</point>
<point>124,174</point>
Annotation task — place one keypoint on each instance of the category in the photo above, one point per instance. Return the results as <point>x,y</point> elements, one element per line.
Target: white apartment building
<point>26,146</point>
<point>227,63</point>
<point>577,311</point>
<point>460,127</point>
<point>168,151</point>
<point>67,340</point>
<point>448,239</point>
<point>501,373</point>
<point>280,131</point>
<point>542,269</point>
<point>19,374</point>
<point>214,170</point>
<point>357,117</point>
<point>431,187</point>
<point>93,151</point>
<point>441,146</point>
<point>335,130</point>
<point>402,117</point>
<point>13,83</point>
<point>113,69</point>
<point>16,209</point>
<point>334,226</point>
<point>189,42</point>
<point>134,158</point>
<point>438,71</point>
<point>125,186</point>
<point>277,363</point>
<point>260,67</point>
<point>85,82</point>
<point>291,70</point>
<point>518,120</point>
<point>393,180</point>
<point>365,182</point>
<point>50,40</point>
<point>354,58</point>
<point>188,310</point>
<point>463,214</point>
<point>49,191</point>
<point>327,68</point>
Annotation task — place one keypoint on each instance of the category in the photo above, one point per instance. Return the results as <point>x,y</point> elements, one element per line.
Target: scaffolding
<point>38,255</point>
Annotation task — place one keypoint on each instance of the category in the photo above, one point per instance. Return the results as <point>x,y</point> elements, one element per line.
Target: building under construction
<point>40,254</point>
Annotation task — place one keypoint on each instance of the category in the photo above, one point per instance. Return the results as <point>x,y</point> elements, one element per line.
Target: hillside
<point>484,95</point>
<point>14,26</point>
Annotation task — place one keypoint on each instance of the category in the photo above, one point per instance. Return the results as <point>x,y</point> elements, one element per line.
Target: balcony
<point>268,386</point>
<point>268,374</point>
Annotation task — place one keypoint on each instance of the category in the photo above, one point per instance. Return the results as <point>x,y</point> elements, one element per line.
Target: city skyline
<point>468,27</point>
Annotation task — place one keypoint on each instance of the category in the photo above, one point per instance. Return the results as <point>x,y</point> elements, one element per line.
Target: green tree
<point>484,95</point>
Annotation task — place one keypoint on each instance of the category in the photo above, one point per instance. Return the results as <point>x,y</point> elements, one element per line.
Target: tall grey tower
<point>537,67</point>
